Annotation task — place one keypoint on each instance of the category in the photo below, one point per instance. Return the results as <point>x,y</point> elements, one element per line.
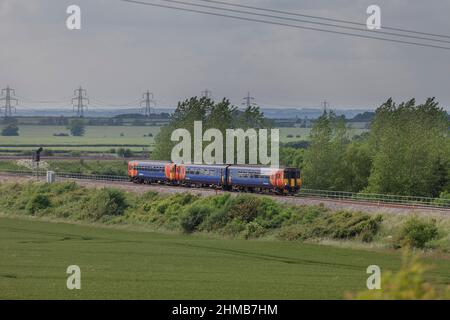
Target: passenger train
<point>225,177</point>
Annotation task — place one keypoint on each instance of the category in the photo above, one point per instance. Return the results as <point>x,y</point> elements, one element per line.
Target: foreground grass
<point>123,264</point>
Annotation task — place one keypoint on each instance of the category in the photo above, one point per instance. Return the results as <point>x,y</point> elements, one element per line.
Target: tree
<point>324,160</point>
<point>10,130</point>
<point>219,115</point>
<point>411,149</point>
<point>77,127</point>
<point>357,166</point>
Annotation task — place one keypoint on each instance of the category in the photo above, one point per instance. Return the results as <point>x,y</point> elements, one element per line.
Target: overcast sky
<point>124,49</point>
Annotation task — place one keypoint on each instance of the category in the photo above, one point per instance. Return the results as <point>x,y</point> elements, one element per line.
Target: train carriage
<point>254,178</point>
<point>151,171</point>
<point>202,175</point>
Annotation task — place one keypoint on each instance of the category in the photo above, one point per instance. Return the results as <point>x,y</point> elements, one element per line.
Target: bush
<point>124,153</point>
<point>193,216</point>
<point>416,233</point>
<point>409,283</point>
<point>339,225</point>
<point>234,227</point>
<point>107,202</point>
<point>38,202</point>
<point>253,230</point>
<point>77,127</point>
<point>244,208</point>
<point>10,130</point>
<point>217,220</point>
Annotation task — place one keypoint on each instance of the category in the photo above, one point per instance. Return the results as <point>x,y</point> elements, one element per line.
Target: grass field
<point>118,264</point>
<point>95,135</point>
<point>111,135</point>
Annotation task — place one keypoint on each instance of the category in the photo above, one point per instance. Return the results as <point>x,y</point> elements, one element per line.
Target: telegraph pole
<point>248,100</point>
<point>7,96</point>
<point>147,102</point>
<point>79,101</point>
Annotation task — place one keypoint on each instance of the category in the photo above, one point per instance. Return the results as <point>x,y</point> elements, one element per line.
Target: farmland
<point>124,263</point>
<point>97,138</point>
<point>104,138</point>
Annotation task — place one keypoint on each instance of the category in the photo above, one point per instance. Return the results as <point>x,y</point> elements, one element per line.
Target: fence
<point>377,198</point>
<point>310,193</point>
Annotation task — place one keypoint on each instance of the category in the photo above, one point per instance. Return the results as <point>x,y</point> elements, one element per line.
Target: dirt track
<point>329,203</point>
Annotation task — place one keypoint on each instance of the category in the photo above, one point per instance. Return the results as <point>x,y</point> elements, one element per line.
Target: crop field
<point>105,136</point>
<point>303,134</point>
<point>101,137</point>
<point>120,263</point>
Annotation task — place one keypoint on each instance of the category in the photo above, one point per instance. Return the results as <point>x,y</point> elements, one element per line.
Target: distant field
<point>111,135</point>
<point>105,138</point>
<point>118,264</point>
<point>298,134</point>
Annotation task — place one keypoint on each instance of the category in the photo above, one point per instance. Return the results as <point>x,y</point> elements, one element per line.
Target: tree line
<point>406,152</point>
<point>219,115</point>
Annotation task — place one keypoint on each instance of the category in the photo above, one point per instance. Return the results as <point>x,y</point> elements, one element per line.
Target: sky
<point>124,49</point>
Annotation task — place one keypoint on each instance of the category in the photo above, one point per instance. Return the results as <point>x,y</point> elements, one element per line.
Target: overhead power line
<point>365,30</point>
<point>102,103</point>
<point>322,18</point>
<point>174,7</point>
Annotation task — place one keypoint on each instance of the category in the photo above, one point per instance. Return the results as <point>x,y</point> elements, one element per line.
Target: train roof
<point>233,166</point>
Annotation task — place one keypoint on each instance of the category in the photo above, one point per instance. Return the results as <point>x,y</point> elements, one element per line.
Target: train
<point>242,178</point>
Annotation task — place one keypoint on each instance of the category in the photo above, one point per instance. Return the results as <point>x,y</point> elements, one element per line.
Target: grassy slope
<point>115,263</point>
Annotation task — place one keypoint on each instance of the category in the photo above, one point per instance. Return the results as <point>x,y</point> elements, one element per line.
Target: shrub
<point>107,202</point>
<point>244,208</point>
<point>10,130</point>
<point>339,225</point>
<point>293,232</point>
<point>193,216</point>
<point>38,202</point>
<point>253,230</point>
<point>234,227</point>
<point>408,283</point>
<point>217,220</point>
<point>416,233</point>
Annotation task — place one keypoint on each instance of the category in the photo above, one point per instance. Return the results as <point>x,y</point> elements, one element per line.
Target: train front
<point>132,170</point>
<point>292,180</point>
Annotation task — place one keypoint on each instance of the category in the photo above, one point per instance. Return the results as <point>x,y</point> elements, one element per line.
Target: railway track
<point>334,201</point>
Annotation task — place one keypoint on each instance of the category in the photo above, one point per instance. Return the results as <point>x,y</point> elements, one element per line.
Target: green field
<point>302,134</point>
<point>32,135</point>
<point>118,264</point>
<point>111,135</point>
